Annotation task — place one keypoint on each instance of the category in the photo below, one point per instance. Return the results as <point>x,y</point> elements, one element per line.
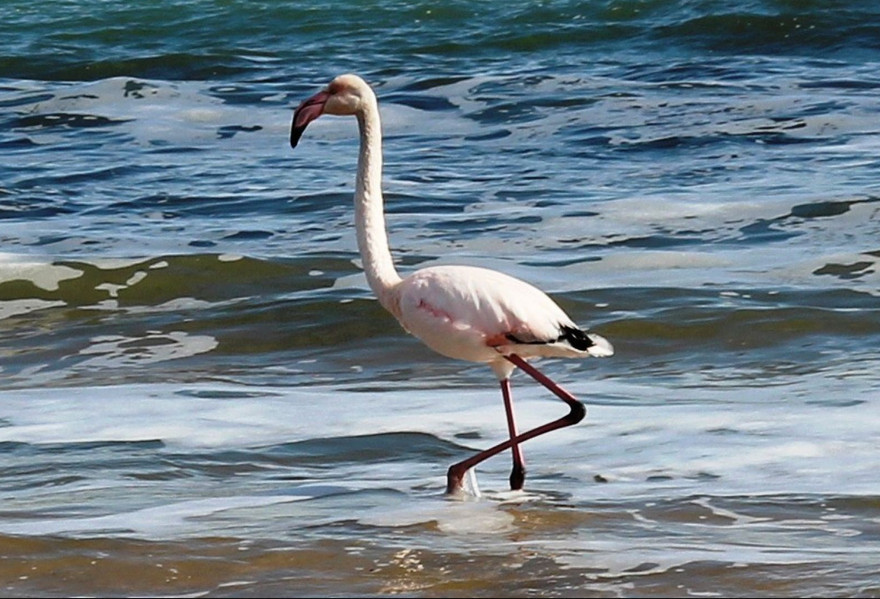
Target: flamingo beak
<point>307,112</point>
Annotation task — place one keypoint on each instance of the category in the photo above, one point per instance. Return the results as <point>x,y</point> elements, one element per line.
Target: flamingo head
<point>345,95</point>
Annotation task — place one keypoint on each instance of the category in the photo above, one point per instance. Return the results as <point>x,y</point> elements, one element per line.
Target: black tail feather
<point>577,338</point>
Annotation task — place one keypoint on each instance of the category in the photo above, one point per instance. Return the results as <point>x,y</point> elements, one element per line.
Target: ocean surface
<point>200,397</point>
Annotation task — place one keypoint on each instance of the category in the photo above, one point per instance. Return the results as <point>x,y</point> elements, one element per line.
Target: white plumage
<point>481,315</point>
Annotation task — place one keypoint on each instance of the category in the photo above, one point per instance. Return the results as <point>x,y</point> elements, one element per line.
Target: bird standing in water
<point>463,312</point>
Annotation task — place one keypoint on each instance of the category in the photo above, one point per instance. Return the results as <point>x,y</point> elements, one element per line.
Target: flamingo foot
<point>517,477</point>
<point>461,482</point>
<point>455,480</point>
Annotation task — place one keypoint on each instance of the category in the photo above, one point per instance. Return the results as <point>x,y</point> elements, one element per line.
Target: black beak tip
<point>295,134</point>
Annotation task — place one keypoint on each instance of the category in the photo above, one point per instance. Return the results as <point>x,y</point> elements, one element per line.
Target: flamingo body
<point>480,315</point>
<point>462,312</point>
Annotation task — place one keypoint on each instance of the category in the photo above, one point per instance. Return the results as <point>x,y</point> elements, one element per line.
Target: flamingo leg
<point>576,413</point>
<point>518,474</point>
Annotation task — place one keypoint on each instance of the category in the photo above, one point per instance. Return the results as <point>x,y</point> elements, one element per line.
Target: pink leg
<point>576,413</point>
<point>518,474</point>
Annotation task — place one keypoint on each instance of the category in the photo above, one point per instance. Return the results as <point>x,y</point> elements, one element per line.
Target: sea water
<point>199,395</point>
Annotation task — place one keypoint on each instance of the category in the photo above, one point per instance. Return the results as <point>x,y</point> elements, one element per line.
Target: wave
<point>237,318</point>
<point>259,39</point>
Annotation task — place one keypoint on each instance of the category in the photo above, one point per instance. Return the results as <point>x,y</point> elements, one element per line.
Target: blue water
<point>200,396</point>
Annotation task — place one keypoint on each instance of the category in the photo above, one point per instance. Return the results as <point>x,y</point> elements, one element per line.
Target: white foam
<point>44,275</point>
<point>771,442</point>
<point>159,521</point>
<point>155,346</point>
<point>450,516</point>
<point>24,306</point>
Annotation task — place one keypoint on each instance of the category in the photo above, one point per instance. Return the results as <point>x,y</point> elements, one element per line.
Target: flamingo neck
<point>369,213</point>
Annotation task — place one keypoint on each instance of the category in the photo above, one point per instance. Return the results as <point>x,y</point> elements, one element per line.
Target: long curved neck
<point>369,210</point>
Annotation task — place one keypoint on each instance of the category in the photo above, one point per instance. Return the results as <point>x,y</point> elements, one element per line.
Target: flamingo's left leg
<point>518,473</point>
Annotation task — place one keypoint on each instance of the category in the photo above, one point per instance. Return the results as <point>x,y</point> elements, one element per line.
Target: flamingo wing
<point>475,314</point>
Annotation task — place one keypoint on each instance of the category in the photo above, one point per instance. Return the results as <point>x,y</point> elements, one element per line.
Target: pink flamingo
<point>463,312</point>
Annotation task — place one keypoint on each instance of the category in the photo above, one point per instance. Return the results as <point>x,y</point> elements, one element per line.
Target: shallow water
<point>199,395</point>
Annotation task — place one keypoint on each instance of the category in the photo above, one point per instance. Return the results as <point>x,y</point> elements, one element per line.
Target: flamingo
<point>463,312</point>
